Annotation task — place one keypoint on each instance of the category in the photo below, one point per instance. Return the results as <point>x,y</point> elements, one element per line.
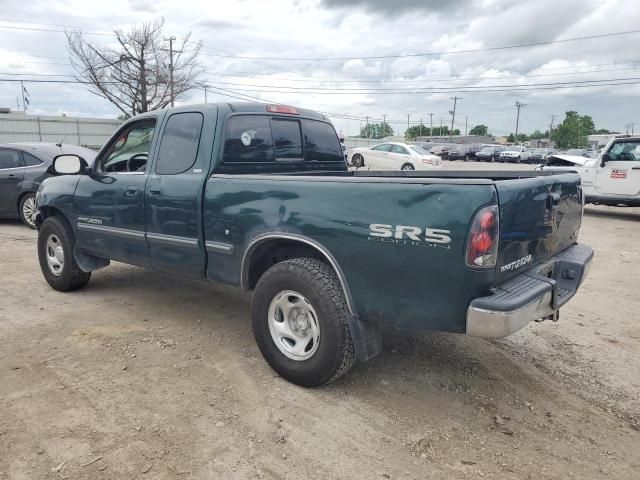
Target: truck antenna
<point>59,144</point>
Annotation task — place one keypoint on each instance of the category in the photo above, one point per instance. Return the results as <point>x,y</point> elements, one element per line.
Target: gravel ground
<point>144,375</point>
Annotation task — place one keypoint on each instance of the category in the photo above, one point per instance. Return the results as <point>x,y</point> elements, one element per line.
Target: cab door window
<point>625,152</point>
<point>129,151</point>
<point>179,144</point>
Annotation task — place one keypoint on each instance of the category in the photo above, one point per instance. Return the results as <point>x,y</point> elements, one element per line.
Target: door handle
<point>132,190</point>
<point>635,168</point>
<point>155,190</point>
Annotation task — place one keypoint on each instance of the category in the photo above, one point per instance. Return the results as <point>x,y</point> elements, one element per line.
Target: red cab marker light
<point>282,109</point>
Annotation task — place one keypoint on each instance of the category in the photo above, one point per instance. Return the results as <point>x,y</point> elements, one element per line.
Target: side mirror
<point>604,158</point>
<point>68,165</point>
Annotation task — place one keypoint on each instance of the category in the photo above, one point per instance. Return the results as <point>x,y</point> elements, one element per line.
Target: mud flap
<point>89,263</point>
<point>367,339</point>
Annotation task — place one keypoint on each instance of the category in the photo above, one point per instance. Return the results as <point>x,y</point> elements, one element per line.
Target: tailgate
<point>539,217</point>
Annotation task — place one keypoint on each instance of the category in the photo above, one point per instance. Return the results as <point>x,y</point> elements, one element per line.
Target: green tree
<point>376,130</point>
<point>479,130</point>
<point>511,138</point>
<point>537,134</point>
<point>573,131</point>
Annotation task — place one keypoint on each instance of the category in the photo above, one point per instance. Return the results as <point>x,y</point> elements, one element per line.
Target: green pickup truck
<point>259,196</point>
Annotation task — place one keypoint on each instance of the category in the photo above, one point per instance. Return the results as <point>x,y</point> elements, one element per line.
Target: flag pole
<point>24,105</point>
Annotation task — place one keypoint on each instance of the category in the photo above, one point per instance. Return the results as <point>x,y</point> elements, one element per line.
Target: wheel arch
<point>262,252</point>
<point>22,194</point>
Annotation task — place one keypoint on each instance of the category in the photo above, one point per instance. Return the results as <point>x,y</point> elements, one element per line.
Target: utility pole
<point>440,131</point>
<point>630,126</point>
<point>466,124</point>
<point>367,127</point>
<point>23,93</point>
<point>431,125</point>
<point>519,105</point>
<point>453,116</point>
<point>552,117</point>
<point>171,39</point>
<point>408,122</point>
<point>421,127</point>
<point>205,93</point>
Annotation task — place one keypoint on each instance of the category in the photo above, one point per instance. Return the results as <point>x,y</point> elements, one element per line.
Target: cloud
<point>149,6</point>
<point>397,6</point>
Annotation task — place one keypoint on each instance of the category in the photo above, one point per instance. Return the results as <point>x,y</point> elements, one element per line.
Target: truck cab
<point>612,178</point>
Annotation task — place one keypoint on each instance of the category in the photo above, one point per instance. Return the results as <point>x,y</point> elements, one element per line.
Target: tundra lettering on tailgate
<point>521,262</point>
<point>409,235</point>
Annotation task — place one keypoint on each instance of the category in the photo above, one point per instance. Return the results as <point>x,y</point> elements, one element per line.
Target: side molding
<point>246,261</point>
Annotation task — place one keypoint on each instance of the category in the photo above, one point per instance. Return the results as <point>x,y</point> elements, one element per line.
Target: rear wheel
<point>357,160</point>
<point>27,210</point>
<point>299,316</point>
<point>407,166</point>
<point>56,242</point>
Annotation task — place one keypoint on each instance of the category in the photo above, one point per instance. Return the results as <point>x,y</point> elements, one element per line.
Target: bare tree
<point>134,72</point>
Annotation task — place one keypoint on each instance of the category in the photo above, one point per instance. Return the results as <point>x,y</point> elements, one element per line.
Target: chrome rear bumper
<point>533,295</point>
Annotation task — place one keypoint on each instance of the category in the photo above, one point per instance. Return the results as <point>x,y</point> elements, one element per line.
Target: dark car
<point>489,153</point>
<point>441,150</point>
<point>539,154</point>
<point>459,152</point>
<point>23,167</point>
<point>464,152</point>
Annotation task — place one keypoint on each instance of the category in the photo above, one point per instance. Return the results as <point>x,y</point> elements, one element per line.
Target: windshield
<point>419,150</point>
<point>486,150</point>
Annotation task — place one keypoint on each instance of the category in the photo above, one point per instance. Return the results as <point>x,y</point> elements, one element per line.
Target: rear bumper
<point>533,295</point>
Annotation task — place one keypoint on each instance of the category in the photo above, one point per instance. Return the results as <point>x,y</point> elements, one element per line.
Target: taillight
<point>282,109</point>
<point>482,243</point>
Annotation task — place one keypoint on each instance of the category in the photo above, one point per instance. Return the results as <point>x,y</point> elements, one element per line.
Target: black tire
<point>70,277</point>
<point>318,283</point>
<point>357,160</point>
<point>407,167</point>
<point>26,210</point>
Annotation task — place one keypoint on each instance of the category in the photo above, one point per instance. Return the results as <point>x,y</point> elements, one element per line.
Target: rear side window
<point>399,149</point>
<point>321,142</point>
<point>179,145</point>
<point>30,160</point>
<point>287,139</point>
<point>248,139</point>
<point>10,159</point>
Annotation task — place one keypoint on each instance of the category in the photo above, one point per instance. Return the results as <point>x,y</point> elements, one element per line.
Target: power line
<point>426,88</point>
<point>431,54</point>
<point>37,29</point>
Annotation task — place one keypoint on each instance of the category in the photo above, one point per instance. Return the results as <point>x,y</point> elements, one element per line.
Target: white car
<point>394,156</point>
<point>613,178</point>
<point>515,154</point>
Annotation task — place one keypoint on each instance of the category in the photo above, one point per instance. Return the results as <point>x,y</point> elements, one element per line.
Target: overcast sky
<point>320,29</point>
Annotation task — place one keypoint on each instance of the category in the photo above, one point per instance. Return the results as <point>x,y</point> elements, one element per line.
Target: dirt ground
<point>143,375</point>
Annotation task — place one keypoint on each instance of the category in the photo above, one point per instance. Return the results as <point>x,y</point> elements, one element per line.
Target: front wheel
<point>407,167</point>
<point>299,316</point>
<point>56,242</point>
<point>27,210</point>
<point>357,160</point>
